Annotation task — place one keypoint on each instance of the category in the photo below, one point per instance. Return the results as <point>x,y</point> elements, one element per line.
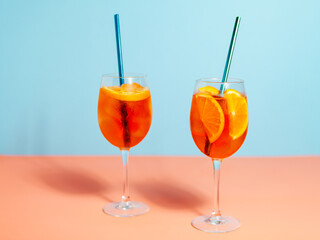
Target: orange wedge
<point>238,112</point>
<point>127,92</point>
<point>210,90</point>
<point>211,115</point>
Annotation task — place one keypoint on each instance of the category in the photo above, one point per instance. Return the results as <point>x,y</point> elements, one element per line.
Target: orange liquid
<point>124,123</point>
<point>222,147</point>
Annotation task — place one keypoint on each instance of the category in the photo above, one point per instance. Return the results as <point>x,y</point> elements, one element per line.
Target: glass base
<point>126,209</point>
<point>216,224</point>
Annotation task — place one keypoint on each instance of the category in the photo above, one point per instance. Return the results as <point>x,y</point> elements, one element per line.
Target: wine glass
<point>219,123</point>
<point>124,116</point>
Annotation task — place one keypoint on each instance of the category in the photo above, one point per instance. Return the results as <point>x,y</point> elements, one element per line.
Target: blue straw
<point>119,49</point>
<point>230,53</point>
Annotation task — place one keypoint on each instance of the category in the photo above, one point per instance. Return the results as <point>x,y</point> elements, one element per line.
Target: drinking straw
<point>119,49</point>
<point>230,53</point>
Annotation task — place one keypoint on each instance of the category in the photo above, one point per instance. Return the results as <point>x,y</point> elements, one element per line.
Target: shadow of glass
<point>71,180</point>
<point>168,195</point>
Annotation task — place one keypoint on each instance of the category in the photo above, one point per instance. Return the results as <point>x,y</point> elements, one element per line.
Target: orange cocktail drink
<point>124,114</point>
<point>124,117</point>
<point>218,122</point>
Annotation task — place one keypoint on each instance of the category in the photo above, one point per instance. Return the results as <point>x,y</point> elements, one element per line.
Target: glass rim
<point>219,80</point>
<point>126,75</point>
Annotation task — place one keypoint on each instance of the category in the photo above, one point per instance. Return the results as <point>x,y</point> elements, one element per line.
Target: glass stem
<point>216,179</point>
<point>125,188</point>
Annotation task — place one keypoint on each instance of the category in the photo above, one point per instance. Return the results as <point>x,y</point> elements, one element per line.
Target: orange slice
<point>128,92</point>
<point>210,90</point>
<point>131,87</point>
<point>211,115</point>
<point>238,112</point>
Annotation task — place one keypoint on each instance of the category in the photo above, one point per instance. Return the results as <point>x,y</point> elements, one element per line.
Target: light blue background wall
<point>53,53</point>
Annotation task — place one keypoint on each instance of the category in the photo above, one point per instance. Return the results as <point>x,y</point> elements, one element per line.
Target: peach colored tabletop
<point>62,197</point>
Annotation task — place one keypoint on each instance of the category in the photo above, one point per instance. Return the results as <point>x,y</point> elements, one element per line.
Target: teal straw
<point>119,48</point>
<point>230,53</point>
